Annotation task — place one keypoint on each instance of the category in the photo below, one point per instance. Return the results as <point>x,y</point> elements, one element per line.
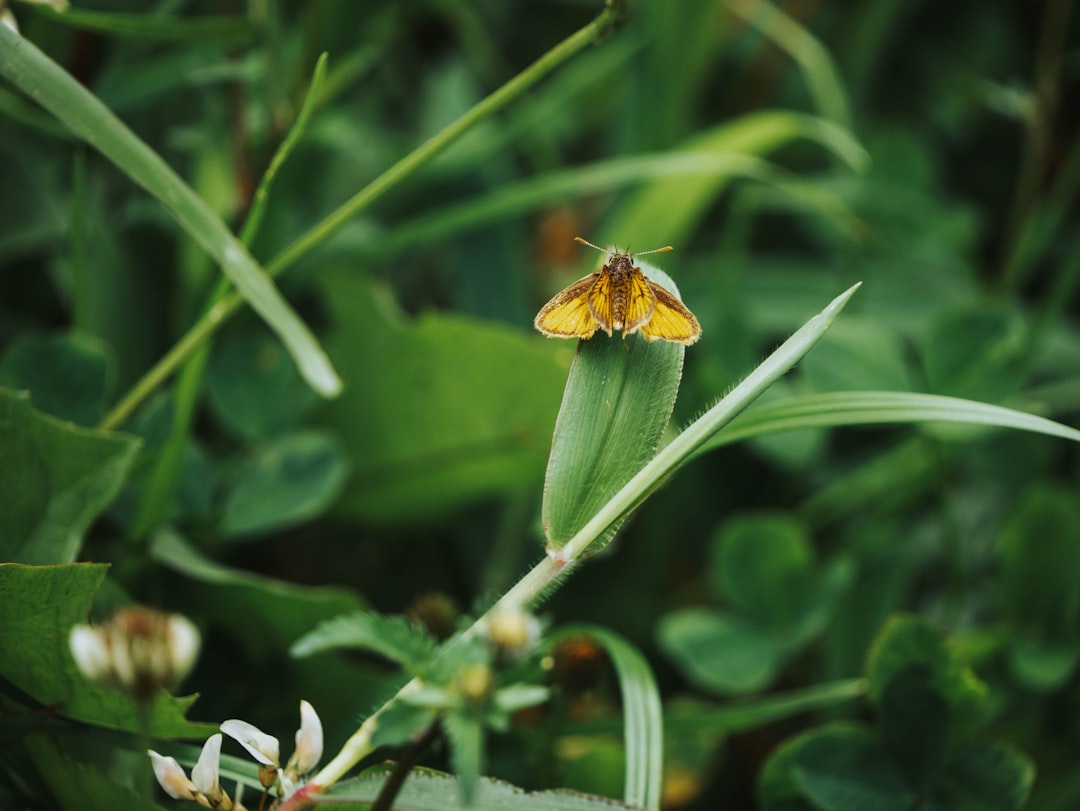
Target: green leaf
<point>842,768</point>
<point>67,375</point>
<point>394,637</point>
<point>642,711</point>
<point>264,614</point>
<point>878,408</point>
<point>915,725</point>
<point>765,565</point>
<point>618,400</point>
<point>252,387</point>
<point>288,480</point>
<point>465,734</point>
<point>49,85</point>
<point>39,605</point>
<point>988,776</point>
<point>400,721</point>
<point>430,791</point>
<point>906,642</point>
<point>440,410</point>
<point>56,478</point>
<point>720,652</point>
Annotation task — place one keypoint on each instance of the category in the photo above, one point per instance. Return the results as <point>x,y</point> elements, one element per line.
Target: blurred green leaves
<point>921,752</point>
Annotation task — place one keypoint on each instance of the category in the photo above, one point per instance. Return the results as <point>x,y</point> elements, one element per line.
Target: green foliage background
<point>929,151</point>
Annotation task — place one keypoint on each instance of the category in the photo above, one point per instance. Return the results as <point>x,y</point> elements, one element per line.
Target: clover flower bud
<point>513,633</point>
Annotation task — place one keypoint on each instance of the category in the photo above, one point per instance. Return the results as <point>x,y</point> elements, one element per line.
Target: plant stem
<point>600,27</point>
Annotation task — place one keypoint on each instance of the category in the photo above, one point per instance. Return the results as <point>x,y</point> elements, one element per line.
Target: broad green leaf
<point>907,642</point>
<point>286,481</point>
<point>843,768</point>
<point>764,565</point>
<point>39,605</point>
<point>393,637</point>
<point>618,400</point>
<point>67,375</point>
<point>644,719</point>
<point>690,440</point>
<point>440,410</point>
<point>56,479</point>
<point>264,614</point>
<point>876,408</point>
<point>49,85</point>
<point>430,791</point>
<point>251,386</point>
<point>720,652</point>
<point>989,776</point>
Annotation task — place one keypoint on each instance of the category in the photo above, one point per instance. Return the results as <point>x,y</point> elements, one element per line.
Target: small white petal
<point>171,777</point>
<point>123,667</point>
<point>89,651</point>
<point>205,773</point>
<point>309,739</point>
<point>264,748</point>
<point>183,645</point>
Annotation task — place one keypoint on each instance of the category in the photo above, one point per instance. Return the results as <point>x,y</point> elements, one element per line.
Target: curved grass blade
<point>835,409</point>
<point>163,27</point>
<point>822,77</point>
<point>54,89</point>
<point>643,714</point>
<point>605,176</point>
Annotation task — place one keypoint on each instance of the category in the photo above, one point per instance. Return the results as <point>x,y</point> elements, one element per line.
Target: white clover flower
<point>139,650</point>
<point>203,787</point>
<point>267,750</point>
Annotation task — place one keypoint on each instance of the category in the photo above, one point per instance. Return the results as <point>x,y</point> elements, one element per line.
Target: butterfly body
<point>619,297</point>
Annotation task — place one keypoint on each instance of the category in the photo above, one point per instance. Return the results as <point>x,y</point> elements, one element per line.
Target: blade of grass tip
<point>843,408</point>
<point>58,92</point>
<point>594,31</point>
<point>162,481</point>
<point>643,724</point>
<point>655,472</point>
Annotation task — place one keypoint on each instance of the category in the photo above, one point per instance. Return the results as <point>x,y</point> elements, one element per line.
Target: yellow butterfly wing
<point>640,303</point>
<point>600,300</point>
<point>670,321</point>
<point>568,315</point>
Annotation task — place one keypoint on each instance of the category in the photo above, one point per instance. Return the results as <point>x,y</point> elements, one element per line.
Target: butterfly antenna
<point>665,249</point>
<point>586,242</point>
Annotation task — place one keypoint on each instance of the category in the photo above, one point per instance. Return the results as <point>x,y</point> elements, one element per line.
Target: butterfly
<point>618,297</point>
